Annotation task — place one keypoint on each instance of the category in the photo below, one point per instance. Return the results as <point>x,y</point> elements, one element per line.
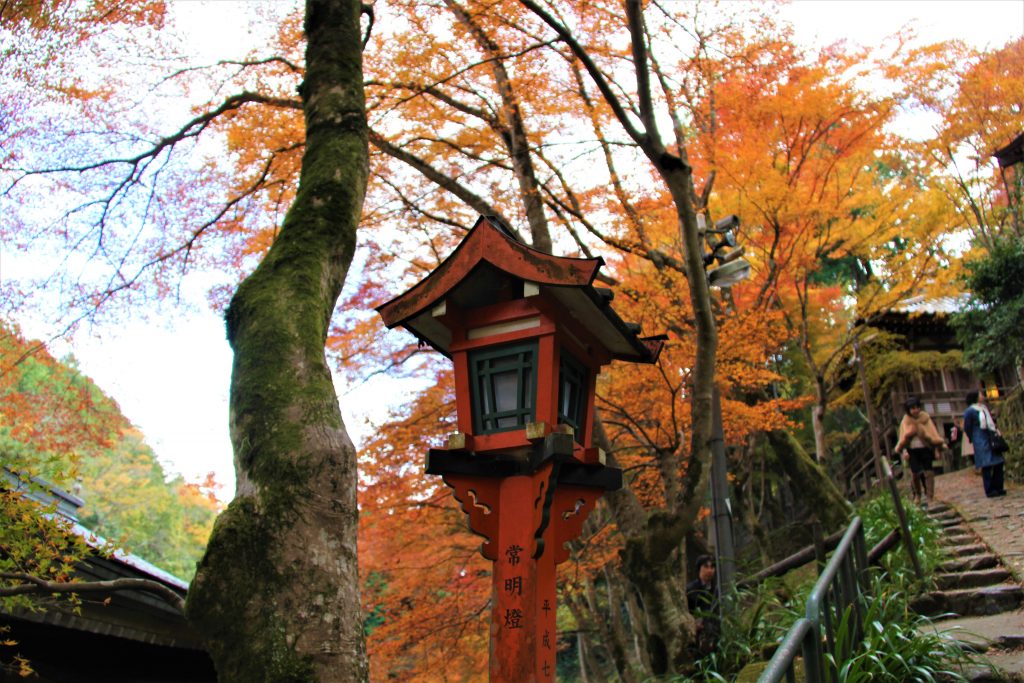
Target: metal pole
<point>907,537</point>
<point>720,506</point>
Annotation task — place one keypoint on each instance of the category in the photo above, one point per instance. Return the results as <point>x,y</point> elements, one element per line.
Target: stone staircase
<point>977,601</point>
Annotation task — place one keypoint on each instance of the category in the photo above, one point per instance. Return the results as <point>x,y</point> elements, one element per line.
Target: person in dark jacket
<point>979,428</point>
<point>702,599</point>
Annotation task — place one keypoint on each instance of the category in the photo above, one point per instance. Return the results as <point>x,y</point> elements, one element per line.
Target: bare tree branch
<point>31,584</point>
<point>446,182</point>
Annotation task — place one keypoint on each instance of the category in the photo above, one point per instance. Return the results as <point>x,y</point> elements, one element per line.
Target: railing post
<point>813,655</point>
<point>901,514</point>
<point>818,537</point>
<point>839,588</point>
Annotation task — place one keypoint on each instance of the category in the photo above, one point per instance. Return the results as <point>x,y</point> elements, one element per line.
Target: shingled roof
<point>490,261</point>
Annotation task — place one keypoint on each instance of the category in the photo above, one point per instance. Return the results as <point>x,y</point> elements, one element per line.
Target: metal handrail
<point>840,587</point>
<point>799,639</point>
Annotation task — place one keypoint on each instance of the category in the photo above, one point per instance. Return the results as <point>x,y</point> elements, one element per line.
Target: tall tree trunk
<point>819,493</point>
<point>743,490</point>
<point>276,597</point>
<point>622,642</point>
<point>657,576</point>
<point>652,562</point>
<point>653,555</point>
<point>590,633</point>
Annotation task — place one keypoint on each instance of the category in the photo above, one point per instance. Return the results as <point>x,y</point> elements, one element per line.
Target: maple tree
<point>976,97</point>
<point>49,418</point>
<point>58,428</point>
<point>460,98</point>
<point>831,199</point>
<point>292,481</point>
<point>548,117</point>
<point>276,595</point>
<point>830,205</point>
<point>659,285</point>
<point>426,587</point>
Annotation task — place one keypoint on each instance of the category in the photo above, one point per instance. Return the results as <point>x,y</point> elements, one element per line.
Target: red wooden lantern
<point>528,333</point>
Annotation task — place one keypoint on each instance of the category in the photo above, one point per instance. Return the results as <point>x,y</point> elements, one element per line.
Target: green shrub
<point>895,643</point>
<point>1011,424</point>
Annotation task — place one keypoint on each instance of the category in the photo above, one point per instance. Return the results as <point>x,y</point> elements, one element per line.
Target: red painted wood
<point>524,600</point>
<point>514,439</point>
<point>486,243</point>
<point>580,341</point>
<point>545,610</point>
<point>463,399</point>
<point>499,313</point>
<point>517,584</point>
<point>569,511</point>
<point>504,338</point>
<point>546,407</point>
<point>480,498</point>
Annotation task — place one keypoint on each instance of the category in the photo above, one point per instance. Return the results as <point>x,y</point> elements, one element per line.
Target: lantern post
<point>731,269</point>
<point>527,333</point>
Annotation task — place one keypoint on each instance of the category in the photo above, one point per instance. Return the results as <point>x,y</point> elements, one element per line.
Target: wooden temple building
<point>121,637</point>
<point>924,326</point>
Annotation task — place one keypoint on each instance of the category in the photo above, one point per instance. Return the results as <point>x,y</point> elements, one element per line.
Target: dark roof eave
<point>1012,153</point>
<point>646,351</point>
<point>512,257</point>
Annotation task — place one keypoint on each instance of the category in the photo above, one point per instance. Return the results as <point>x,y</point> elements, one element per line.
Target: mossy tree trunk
<point>807,477</point>
<point>276,597</point>
<point>653,561</point>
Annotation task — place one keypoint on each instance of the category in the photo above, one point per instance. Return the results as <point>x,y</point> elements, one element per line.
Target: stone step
<point>939,509</point>
<point>969,601</point>
<point>991,633</point>
<point>973,643</point>
<point>943,515</point>
<point>952,521</point>
<point>966,550</point>
<point>959,539</point>
<point>972,578</point>
<point>1000,667</point>
<point>957,530</point>
<point>969,563</point>
<point>977,673</point>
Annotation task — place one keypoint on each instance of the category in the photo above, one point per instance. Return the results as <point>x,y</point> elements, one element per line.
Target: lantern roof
<point>489,266</point>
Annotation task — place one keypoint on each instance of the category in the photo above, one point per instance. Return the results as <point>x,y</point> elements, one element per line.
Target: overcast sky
<point>171,380</point>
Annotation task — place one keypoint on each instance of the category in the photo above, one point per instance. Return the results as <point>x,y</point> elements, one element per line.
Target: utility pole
<point>721,509</point>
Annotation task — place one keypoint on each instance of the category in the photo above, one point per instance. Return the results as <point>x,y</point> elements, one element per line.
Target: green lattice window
<point>572,393</point>
<point>504,381</point>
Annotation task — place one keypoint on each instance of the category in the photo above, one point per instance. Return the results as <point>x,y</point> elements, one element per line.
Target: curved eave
<point>595,313</point>
<point>489,257</point>
<point>487,243</point>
